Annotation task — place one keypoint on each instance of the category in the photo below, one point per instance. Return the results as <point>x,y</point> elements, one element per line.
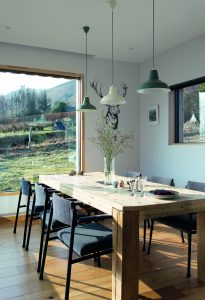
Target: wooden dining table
<point>127,211</point>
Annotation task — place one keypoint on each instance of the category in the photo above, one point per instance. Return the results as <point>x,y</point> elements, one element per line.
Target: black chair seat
<point>89,238</point>
<point>180,222</point>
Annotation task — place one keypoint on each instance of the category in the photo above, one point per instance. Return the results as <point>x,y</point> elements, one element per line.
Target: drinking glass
<point>141,184</point>
<point>132,186</point>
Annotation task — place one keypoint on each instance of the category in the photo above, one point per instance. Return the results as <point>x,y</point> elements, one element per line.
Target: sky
<point>11,82</point>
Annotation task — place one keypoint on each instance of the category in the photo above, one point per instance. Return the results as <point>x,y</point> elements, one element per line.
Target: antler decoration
<point>97,89</point>
<point>124,88</point>
<point>112,110</point>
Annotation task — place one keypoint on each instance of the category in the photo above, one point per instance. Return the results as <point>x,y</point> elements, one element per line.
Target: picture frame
<point>152,114</point>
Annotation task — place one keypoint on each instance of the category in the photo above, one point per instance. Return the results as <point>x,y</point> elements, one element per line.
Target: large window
<point>189,111</point>
<point>37,126</point>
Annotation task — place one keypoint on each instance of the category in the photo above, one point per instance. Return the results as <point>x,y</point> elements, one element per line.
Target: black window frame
<point>177,91</point>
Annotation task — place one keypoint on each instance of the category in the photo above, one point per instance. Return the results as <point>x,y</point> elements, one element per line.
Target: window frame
<point>69,75</point>
<point>176,116</point>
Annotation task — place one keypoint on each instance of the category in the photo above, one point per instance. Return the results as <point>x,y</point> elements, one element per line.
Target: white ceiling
<point>57,24</point>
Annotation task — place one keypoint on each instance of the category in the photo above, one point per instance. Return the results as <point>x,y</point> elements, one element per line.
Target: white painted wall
<point>97,69</point>
<point>182,162</point>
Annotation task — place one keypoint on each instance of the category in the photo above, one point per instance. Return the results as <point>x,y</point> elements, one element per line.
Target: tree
<point>60,107</point>
<point>43,102</point>
<point>3,107</point>
<point>191,102</point>
<point>31,100</point>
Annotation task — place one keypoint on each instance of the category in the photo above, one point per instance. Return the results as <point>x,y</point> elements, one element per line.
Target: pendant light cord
<point>153,39</point>
<point>112,49</point>
<point>86,62</point>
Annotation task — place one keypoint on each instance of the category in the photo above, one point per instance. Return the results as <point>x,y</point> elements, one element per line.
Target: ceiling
<point>57,24</point>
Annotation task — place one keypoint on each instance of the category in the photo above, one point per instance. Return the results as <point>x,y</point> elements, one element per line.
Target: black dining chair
<point>162,180</point>
<point>34,204</point>
<point>184,223</point>
<point>39,204</point>
<point>131,174</point>
<point>45,195</point>
<point>84,239</point>
<point>25,194</point>
<point>156,179</point>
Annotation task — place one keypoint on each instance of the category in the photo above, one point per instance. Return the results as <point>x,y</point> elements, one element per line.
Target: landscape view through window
<point>37,127</point>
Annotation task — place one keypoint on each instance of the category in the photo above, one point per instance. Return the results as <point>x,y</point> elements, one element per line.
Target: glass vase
<point>109,170</point>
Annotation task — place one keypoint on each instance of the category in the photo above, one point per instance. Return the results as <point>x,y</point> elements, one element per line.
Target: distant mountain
<point>64,92</point>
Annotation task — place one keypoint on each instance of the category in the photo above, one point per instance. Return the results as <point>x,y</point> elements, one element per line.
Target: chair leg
<point>30,225</point>
<point>182,236</point>
<point>26,223</point>
<point>99,261</point>
<point>150,235</point>
<point>17,212</point>
<point>67,287</point>
<point>41,245</point>
<point>45,247</point>
<point>189,255</point>
<point>69,266</point>
<point>148,223</point>
<point>144,235</point>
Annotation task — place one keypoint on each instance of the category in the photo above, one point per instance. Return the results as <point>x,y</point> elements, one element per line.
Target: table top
<point>89,188</point>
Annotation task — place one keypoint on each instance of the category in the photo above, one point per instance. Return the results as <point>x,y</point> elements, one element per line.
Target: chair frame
<point>147,222</point>
<point>30,193</point>
<point>71,260</point>
<point>192,185</point>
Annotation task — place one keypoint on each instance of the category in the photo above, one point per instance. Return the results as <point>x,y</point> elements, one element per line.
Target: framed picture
<point>153,115</point>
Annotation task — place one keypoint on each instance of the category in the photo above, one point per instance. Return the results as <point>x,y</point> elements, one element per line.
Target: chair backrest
<point>40,194</point>
<point>162,180</point>
<point>63,210</point>
<point>196,186</point>
<point>25,187</point>
<point>131,174</point>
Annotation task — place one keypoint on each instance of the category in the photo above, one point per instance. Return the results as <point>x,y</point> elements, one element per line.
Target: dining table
<point>127,212</point>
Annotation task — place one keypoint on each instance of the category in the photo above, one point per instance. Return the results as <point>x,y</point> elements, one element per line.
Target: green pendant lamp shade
<point>153,84</point>
<point>86,106</point>
<point>113,98</point>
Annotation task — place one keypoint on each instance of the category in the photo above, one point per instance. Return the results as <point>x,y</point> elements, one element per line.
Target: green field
<point>49,157</point>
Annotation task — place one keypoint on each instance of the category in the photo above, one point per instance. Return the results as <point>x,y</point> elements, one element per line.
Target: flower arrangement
<point>110,141</point>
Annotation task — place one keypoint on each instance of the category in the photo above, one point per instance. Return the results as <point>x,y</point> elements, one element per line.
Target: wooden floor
<point>162,275</point>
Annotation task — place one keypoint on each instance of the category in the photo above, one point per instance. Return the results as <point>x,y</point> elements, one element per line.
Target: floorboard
<point>162,273</point>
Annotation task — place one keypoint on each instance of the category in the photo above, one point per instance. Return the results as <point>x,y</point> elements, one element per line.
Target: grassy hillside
<point>63,92</point>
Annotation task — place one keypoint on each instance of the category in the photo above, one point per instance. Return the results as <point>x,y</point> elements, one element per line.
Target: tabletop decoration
<point>110,142</point>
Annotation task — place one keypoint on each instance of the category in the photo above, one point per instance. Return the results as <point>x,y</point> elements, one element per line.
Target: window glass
<point>37,127</point>
<point>190,113</point>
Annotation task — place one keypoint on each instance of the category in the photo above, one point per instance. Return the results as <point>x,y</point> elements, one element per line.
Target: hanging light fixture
<point>86,106</point>
<point>113,98</point>
<point>153,84</point>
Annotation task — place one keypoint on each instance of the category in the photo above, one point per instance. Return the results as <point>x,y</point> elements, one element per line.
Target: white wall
<point>97,69</point>
<point>182,162</point>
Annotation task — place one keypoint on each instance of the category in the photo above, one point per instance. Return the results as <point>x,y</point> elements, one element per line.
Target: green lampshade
<point>153,85</point>
<point>86,105</point>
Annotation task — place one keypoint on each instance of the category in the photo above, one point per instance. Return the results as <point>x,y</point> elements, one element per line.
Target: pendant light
<point>113,98</point>
<point>86,106</point>
<point>153,84</point>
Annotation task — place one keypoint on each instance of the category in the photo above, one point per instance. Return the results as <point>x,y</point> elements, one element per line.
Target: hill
<point>64,92</point>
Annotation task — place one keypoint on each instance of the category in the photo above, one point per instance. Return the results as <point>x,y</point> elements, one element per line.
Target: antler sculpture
<point>112,110</point>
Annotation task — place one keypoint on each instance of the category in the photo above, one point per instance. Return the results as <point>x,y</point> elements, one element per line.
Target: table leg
<point>125,258</point>
<point>201,245</point>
